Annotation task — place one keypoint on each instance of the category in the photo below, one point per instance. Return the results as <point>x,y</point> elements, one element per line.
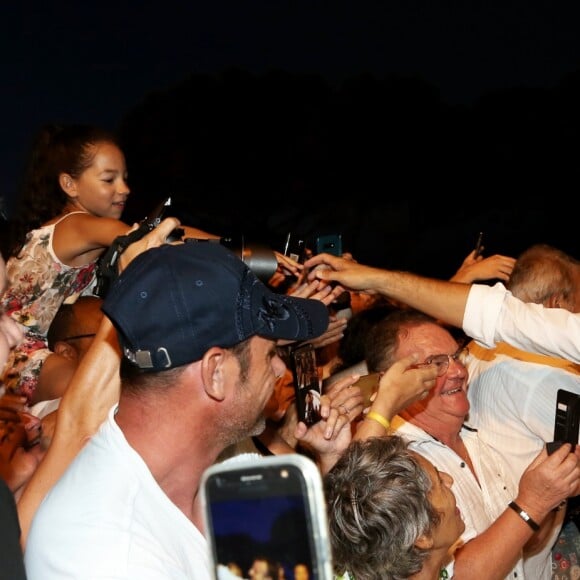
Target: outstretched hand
<point>349,274</point>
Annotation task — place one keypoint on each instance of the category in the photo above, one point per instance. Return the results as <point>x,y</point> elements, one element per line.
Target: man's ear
<point>67,184</point>
<point>213,373</point>
<point>424,542</point>
<point>65,350</point>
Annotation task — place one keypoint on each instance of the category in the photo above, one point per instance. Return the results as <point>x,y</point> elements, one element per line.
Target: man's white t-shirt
<point>108,518</point>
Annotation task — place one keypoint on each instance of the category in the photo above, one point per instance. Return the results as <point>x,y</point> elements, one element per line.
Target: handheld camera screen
<point>262,518</point>
<point>306,383</point>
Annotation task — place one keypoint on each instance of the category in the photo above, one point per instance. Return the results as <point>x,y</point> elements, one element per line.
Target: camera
<point>107,269</point>
<point>259,258</point>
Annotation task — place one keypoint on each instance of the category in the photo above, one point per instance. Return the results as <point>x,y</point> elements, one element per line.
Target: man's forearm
<point>493,553</point>
<point>441,299</point>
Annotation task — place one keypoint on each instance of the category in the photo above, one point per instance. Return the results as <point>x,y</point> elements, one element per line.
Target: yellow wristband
<point>383,421</point>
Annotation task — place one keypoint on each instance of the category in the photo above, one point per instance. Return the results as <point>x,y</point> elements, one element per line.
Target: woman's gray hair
<point>378,506</point>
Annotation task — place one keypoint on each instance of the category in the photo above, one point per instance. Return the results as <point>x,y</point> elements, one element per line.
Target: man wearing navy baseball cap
<point>198,332</point>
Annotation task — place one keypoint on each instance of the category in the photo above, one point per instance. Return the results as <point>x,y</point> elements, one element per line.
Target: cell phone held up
<point>478,245</point>
<point>369,385</point>
<point>295,248</point>
<point>270,508</point>
<point>329,244</point>
<point>307,385</point>
<point>567,420</point>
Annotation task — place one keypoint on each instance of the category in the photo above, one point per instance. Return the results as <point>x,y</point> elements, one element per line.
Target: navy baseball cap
<point>174,302</point>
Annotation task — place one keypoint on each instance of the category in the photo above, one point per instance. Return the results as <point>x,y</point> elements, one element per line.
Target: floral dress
<point>38,283</point>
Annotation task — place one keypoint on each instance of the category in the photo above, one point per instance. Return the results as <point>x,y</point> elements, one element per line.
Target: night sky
<point>94,62</point>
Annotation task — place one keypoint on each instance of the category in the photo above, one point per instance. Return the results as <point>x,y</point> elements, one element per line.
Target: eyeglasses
<point>78,337</point>
<point>442,361</point>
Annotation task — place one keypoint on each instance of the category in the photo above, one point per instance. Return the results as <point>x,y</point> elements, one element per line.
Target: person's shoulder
<point>63,216</point>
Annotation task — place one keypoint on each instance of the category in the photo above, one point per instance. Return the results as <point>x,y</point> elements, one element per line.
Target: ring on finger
<point>423,395</point>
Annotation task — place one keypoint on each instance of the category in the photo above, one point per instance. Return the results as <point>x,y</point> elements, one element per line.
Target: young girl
<point>74,193</point>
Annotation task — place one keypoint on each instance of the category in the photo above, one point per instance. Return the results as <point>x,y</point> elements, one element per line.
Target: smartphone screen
<point>307,385</point>
<point>267,511</point>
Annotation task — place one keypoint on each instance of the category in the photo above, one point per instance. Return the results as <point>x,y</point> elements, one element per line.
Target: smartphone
<point>330,244</point>
<point>567,420</point>
<point>307,384</point>
<point>295,248</point>
<point>479,245</point>
<point>369,385</point>
<point>270,508</point>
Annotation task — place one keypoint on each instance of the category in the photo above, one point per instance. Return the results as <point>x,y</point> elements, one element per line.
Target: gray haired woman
<point>392,515</point>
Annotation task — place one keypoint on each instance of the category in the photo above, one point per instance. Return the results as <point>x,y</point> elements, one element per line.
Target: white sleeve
<point>482,311</point>
<point>493,314</point>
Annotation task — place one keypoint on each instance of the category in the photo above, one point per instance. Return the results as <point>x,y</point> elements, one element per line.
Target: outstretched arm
<point>486,313</point>
<point>442,299</point>
<point>93,390</point>
<point>91,393</point>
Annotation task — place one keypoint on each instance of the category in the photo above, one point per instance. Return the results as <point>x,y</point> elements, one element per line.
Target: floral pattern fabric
<point>566,554</point>
<point>38,283</point>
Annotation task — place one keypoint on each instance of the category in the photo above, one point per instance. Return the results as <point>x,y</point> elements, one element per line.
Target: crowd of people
<point>113,406</point>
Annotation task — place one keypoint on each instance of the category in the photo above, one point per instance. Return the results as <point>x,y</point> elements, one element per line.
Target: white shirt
<point>513,405</point>
<point>480,506</point>
<point>493,314</point>
<point>107,518</point>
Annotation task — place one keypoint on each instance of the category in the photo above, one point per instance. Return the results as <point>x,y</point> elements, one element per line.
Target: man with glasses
<point>500,515</point>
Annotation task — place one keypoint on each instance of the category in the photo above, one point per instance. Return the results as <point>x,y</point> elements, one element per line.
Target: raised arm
<point>547,481</point>
<point>93,390</point>
<point>439,298</point>
<point>474,268</point>
<point>486,313</point>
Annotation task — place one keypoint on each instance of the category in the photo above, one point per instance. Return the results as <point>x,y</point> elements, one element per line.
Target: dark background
<point>407,126</point>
